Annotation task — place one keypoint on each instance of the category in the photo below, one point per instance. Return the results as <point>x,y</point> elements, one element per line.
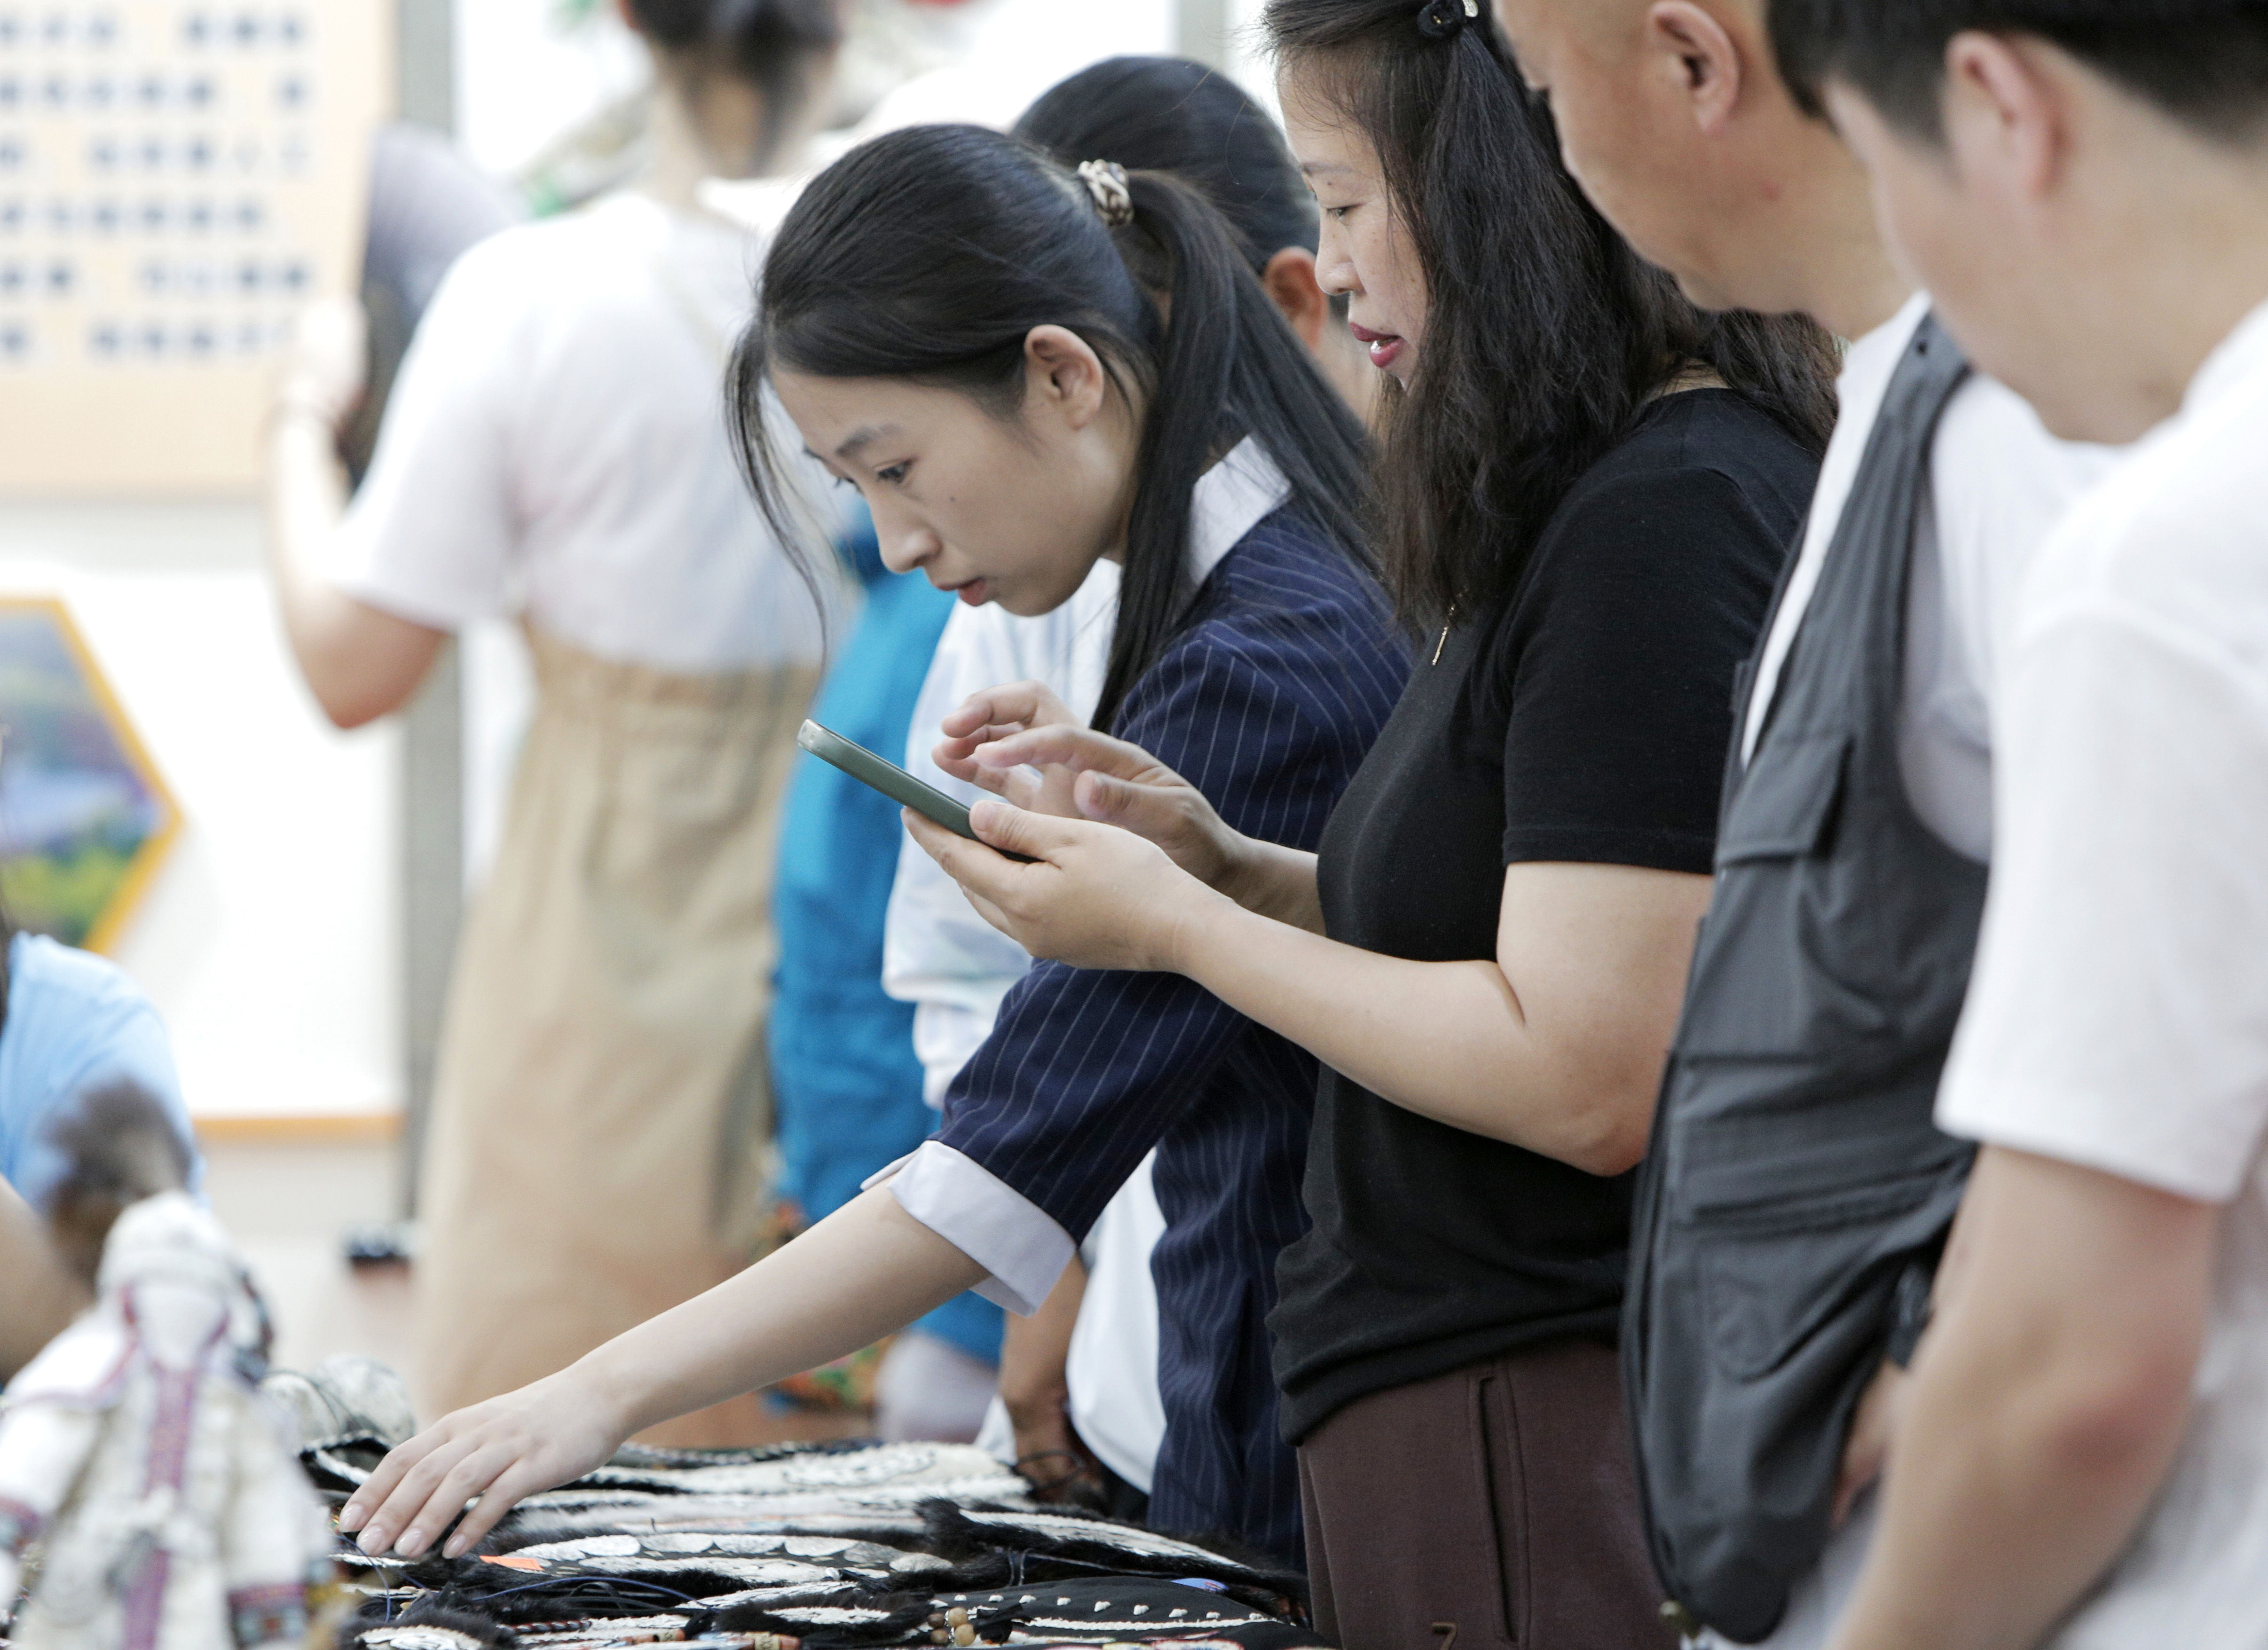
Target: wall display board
<point>177,179</point>
<point>84,819</point>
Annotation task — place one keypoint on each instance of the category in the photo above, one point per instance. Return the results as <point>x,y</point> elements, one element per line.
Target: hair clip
<point>1106,181</point>
<point>1439,19</point>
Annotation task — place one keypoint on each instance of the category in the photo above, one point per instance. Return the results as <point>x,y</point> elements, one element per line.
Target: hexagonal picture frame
<point>86,819</point>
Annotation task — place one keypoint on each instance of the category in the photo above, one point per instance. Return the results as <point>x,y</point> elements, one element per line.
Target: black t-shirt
<point>1584,720</point>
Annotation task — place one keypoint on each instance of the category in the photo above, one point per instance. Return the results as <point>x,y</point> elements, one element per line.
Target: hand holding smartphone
<point>891,780</point>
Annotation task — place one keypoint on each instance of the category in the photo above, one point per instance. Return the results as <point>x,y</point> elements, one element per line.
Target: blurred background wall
<point>297,935</point>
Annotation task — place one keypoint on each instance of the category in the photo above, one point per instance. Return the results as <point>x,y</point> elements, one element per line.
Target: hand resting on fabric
<point>541,1436</point>
<point>866,1270</point>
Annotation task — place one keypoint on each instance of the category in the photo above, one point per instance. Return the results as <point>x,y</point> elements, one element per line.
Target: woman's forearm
<point>306,498</point>
<point>866,1270</point>
<point>1449,1041</point>
<point>1275,881</point>
<point>1555,1044</point>
<point>359,663</point>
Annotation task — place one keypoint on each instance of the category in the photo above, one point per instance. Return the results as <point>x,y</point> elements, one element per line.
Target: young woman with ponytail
<point>1026,369</point>
<point>1587,489</point>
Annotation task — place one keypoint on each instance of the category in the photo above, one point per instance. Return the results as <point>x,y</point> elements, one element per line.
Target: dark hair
<point>1174,115</point>
<point>768,43</point>
<point>2205,63</point>
<point>1545,335</point>
<point>930,254</point>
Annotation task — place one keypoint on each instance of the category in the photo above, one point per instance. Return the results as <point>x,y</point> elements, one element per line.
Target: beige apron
<point>600,1112</point>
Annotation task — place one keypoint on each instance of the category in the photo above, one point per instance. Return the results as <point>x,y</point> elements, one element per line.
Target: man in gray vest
<point>2083,1460</point>
<point>1798,1194</point>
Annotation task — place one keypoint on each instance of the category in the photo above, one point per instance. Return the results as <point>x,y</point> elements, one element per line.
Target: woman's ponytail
<point>1228,367</point>
<point>931,253</point>
<point>1187,425</point>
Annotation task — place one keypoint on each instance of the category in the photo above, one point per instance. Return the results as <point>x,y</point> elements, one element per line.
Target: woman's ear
<point>1062,373</point>
<point>1289,280</point>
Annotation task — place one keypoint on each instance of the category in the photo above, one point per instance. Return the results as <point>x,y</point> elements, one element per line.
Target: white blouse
<point>557,445</point>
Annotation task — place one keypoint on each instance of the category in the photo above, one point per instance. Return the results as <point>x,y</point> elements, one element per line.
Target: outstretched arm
<point>2048,1401</point>
<point>866,1270</point>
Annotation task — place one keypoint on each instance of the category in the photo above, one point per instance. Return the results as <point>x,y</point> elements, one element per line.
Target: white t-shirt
<point>1998,482</point>
<point>556,444</point>
<point>2118,1018</point>
<point>1112,1368</point>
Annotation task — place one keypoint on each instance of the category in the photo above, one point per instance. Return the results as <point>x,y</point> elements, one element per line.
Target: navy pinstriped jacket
<point>1266,702</point>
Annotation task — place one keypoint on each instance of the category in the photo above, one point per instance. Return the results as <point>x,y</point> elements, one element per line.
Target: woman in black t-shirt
<point>1587,491</point>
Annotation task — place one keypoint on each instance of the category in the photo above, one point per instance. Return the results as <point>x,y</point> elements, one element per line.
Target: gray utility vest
<point>1797,1194</point>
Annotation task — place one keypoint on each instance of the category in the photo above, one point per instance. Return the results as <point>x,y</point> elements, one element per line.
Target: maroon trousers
<point>1491,1508</point>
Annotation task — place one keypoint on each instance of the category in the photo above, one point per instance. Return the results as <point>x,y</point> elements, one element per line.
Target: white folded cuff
<point>1016,1241</point>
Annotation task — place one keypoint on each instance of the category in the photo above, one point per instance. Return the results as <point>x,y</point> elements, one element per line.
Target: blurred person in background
<point>554,448</point>
<point>70,1023</point>
<point>1078,1381</point>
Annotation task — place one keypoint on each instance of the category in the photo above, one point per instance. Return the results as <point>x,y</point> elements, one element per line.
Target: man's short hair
<point>2203,61</point>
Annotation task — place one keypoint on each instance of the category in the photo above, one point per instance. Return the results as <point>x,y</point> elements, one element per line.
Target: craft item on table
<point>804,1547</point>
<point>345,1398</point>
<point>140,1470</point>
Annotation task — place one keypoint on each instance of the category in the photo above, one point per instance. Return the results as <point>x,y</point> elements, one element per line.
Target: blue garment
<point>75,1022</point>
<point>1266,702</point>
<point>846,1088</point>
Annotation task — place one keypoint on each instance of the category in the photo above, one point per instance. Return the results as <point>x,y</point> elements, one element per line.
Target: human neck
<point>2181,241</point>
<point>678,162</point>
<point>1842,274</point>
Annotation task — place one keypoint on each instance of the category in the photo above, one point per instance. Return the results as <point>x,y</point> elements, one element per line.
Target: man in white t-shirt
<point>2084,1457</point>
<point>1675,119</point>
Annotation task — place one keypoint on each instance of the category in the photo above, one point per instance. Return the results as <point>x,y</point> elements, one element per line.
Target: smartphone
<point>891,780</point>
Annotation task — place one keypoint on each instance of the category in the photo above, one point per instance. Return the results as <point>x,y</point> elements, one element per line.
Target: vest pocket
<point>1785,805</point>
<point>1774,1275</point>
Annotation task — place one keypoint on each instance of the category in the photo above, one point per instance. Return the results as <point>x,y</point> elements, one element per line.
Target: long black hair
<point>1545,335</point>
<point>930,254</point>
<point>771,44</point>
<point>1175,114</point>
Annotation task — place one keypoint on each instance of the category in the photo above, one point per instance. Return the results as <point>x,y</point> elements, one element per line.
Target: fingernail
<point>412,1539</point>
<point>372,1541</point>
